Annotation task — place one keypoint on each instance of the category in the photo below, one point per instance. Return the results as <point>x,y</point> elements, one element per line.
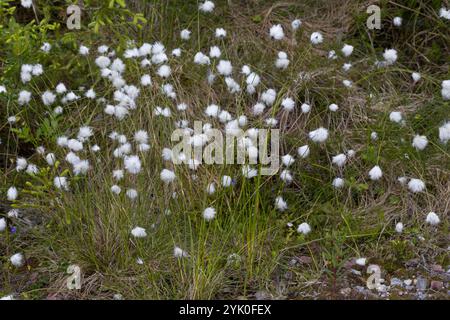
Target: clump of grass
<point>250,246</point>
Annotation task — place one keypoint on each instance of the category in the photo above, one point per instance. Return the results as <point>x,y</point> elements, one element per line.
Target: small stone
<point>346,291</point>
<point>349,264</point>
<point>436,285</point>
<point>422,284</point>
<point>412,263</point>
<point>304,260</point>
<point>396,282</point>
<point>408,282</point>
<point>262,295</point>
<point>437,268</point>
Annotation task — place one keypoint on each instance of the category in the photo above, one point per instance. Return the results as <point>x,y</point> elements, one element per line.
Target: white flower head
<point>319,135</point>
<point>209,213</point>
<point>347,50</point>
<point>167,176</point>
<point>316,38</point>
<point>276,32</point>
<point>433,219</point>
<point>280,204</point>
<point>390,55</point>
<point>375,173</point>
<point>207,6</point>
<point>12,193</point>
<point>17,260</point>
<point>139,232</point>
<point>416,185</point>
<point>303,151</point>
<point>420,142</point>
<point>304,228</point>
<point>399,227</point>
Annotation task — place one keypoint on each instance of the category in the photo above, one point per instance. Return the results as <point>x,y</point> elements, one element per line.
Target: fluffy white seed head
<point>416,185</point>
<point>375,173</point>
<point>304,228</point>
<point>276,32</point>
<point>319,135</point>
<point>433,219</point>
<point>209,214</point>
<point>139,232</point>
<point>420,142</point>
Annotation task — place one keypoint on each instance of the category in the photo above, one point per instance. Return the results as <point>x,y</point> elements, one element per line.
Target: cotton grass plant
<point>363,160</point>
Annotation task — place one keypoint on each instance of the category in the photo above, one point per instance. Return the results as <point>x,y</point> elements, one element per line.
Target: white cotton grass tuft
<point>138,232</point>
<point>347,50</point>
<point>26,3</point>
<point>276,32</point>
<point>287,160</point>
<point>303,151</point>
<point>24,97</point>
<point>288,104</point>
<point>397,21</point>
<point>375,173</point>
<point>48,98</point>
<point>207,6</point>
<point>338,183</point>
<point>304,228</point>
<point>319,135</point>
<point>296,24</point>
<point>61,183</point>
<point>316,38</point>
<point>399,227</point>
<point>167,176</point>
<point>131,194</point>
<point>185,34</point>
<point>220,33</point>
<point>12,193</point>
<point>179,253</point>
<point>132,164</point>
<point>396,116</point>
<point>432,219</point>
<point>2,224</point>
<point>416,77</point>
<point>390,56</point>
<point>286,176</point>
<point>416,185</point>
<point>211,188</point>
<point>17,260</point>
<point>116,189</point>
<point>214,52</point>
<point>420,142</point>
<point>209,214</point>
<point>339,160</point>
<point>226,181</point>
<point>83,50</point>
<point>21,164</point>
<point>224,67</point>
<point>282,61</point>
<point>445,91</point>
<point>146,80</point>
<point>305,107</point>
<point>361,261</point>
<point>333,107</point>
<point>444,132</point>
<point>280,204</point>
<point>444,13</point>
